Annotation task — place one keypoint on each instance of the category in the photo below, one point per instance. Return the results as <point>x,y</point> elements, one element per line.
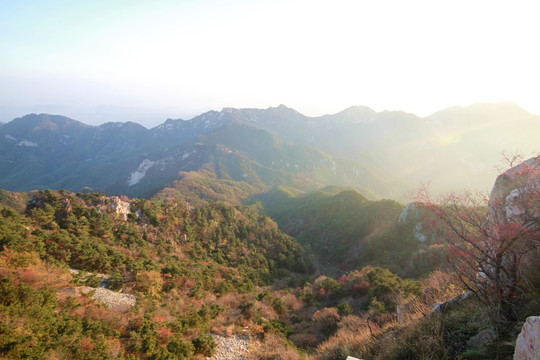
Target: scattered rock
<point>528,341</point>
<point>231,348</point>
<point>112,300</point>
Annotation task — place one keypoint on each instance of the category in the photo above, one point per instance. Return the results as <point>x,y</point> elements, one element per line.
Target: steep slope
<point>51,151</point>
<point>40,151</point>
<point>14,201</point>
<point>238,160</point>
<point>210,151</point>
<point>175,131</point>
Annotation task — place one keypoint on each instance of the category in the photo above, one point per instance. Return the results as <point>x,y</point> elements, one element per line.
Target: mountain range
<point>313,263</point>
<point>234,153</point>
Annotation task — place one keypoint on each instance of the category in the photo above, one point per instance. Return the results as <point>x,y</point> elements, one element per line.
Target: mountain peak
<point>354,114</point>
<point>37,122</point>
<point>123,125</point>
<point>283,110</point>
<point>357,111</point>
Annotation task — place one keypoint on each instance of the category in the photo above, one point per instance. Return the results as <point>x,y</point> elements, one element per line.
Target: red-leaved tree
<point>493,240</point>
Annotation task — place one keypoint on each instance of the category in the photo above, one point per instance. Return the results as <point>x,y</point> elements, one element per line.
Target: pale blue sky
<point>315,56</point>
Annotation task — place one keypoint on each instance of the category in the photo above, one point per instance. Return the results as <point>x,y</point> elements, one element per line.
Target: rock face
<point>513,197</point>
<point>514,209</point>
<point>120,207</point>
<point>513,226</point>
<point>528,341</point>
<point>116,205</point>
<point>410,213</point>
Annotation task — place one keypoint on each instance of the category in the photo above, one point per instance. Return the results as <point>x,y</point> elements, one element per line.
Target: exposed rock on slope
<point>515,192</point>
<point>112,300</point>
<point>514,220</point>
<point>120,207</point>
<point>528,341</point>
<point>230,348</point>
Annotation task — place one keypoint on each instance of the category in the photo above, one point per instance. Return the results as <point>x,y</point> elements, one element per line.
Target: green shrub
<point>345,309</point>
<point>181,349</point>
<point>204,344</point>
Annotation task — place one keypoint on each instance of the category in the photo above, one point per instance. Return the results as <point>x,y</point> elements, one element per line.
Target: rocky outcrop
<point>103,204</point>
<point>514,213</point>
<point>515,193</point>
<point>528,341</point>
<point>120,207</point>
<point>114,204</point>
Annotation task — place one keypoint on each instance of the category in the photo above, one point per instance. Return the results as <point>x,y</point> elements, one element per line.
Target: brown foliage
<point>344,343</point>
<point>326,320</point>
<point>274,348</point>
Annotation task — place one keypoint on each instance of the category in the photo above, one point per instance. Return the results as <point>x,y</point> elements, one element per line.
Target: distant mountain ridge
<point>454,148</point>
<point>389,152</point>
<point>43,151</point>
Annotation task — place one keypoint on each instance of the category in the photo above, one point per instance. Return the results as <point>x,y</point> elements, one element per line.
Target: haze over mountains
<point>234,153</point>
<point>264,223</point>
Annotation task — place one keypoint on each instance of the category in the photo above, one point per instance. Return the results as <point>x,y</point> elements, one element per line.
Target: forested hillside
<point>345,230</point>
<point>86,276</point>
<point>232,232</point>
<point>175,258</point>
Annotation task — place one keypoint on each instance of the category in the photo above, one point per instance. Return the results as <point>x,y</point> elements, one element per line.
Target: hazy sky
<point>315,56</point>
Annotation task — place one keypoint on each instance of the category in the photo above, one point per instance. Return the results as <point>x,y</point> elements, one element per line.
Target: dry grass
<point>274,348</point>
<point>346,342</point>
<point>28,267</point>
<point>421,339</point>
<point>292,302</point>
<point>409,334</point>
